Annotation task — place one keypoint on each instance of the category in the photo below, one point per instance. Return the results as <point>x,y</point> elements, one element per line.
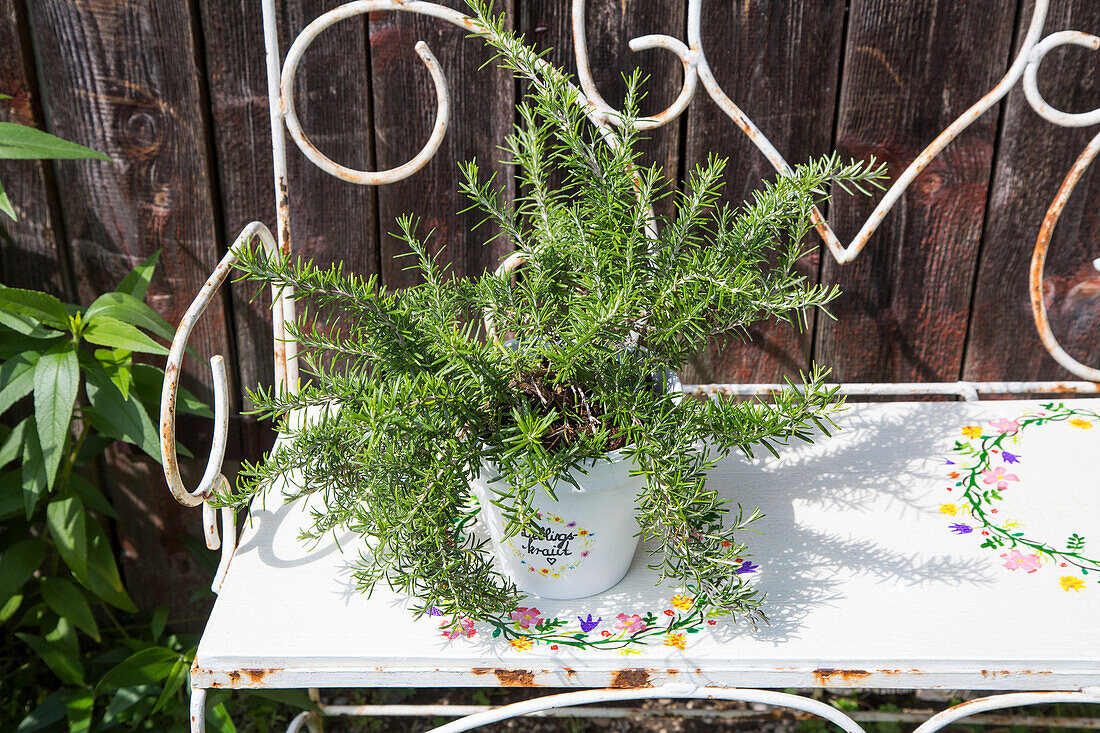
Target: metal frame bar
<point>281,76</point>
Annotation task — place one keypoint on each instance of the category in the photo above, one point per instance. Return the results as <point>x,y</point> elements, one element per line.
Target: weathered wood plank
<point>910,69</point>
<point>33,258</point>
<point>404,113</point>
<point>779,62</point>
<point>122,78</point>
<point>1034,156</point>
<point>330,219</point>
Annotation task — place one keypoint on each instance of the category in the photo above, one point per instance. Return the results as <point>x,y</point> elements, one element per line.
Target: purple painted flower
<point>433,611</point>
<point>747,567</point>
<point>1010,457</point>
<point>588,625</point>
<point>948,463</point>
<point>961,528</point>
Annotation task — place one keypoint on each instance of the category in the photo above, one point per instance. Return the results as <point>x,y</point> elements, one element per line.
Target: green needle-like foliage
<point>409,392</point>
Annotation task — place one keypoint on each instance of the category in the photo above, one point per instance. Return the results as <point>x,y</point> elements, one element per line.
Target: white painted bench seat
<point>871,580</point>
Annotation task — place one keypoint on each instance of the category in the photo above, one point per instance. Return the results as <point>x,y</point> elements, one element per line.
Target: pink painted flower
<point>633,624</point>
<point>1016,560</point>
<point>527,616</point>
<point>466,630</point>
<point>1004,425</point>
<point>999,476</point>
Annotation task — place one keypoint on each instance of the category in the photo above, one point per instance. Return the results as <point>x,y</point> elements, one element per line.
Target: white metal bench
<point>926,545</point>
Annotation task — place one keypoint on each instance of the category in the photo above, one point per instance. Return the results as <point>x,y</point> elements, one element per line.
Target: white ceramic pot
<point>589,535</point>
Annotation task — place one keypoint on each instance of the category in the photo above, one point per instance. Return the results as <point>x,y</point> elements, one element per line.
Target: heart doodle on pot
<point>551,560</point>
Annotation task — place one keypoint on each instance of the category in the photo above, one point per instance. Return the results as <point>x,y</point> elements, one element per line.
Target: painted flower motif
<point>466,629</point>
<point>588,625</point>
<point>605,632</point>
<point>746,567</point>
<point>1016,560</point>
<point>684,603</point>
<point>521,644</point>
<point>669,612</point>
<point>1071,582</point>
<point>527,616</point>
<point>999,476</point>
<point>949,509</point>
<point>675,640</point>
<point>1079,423</point>
<point>433,611</point>
<point>1004,425</point>
<point>1010,457</point>
<point>584,553</point>
<point>632,624</point>
<point>972,431</point>
<point>628,651</point>
<point>953,474</point>
<point>712,622</point>
<point>961,528</point>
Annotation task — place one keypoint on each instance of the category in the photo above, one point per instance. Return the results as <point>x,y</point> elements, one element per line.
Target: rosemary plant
<point>411,391</point>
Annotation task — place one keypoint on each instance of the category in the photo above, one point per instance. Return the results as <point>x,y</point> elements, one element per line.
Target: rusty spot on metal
<point>234,677</point>
<point>631,678</point>
<point>258,674</point>
<point>515,677</point>
<point>569,671</point>
<point>481,670</point>
<point>824,675</point>
<point>673,671</point>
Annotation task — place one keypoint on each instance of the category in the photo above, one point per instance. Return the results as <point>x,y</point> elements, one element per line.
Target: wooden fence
<point>174,91</point>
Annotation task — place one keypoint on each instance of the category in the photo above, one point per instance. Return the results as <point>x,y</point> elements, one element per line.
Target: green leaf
<point>35,481</point>
<point>217,717</point>
<point>12,447</point>
<point>118,417</point>
<point>67,523</point>
<point>80,709</point>
<point>50,711</point>
<point>148,381</point>
<point>294,698</point>
<point>103,577</point>
<point>136,283</point>
<point>5,203</point>
<point>124,699</point>
<point>57,656</point>
<point>91,497</point>
<point>42,307</point>
<point>117,363</point>
<point>68,602</point>
<point>19,142</point>
<point>18,563</point>
<point>84,548</point>
<point>11,494</point>
<point>56,381</point>
<point>10,607</point>
<point>176,677</point>
<point>146,667</point>
<point>108,331</point>
<point>160,618</point>
<point>128,309</point>
<point>25,326</point>
<point>16,379</point>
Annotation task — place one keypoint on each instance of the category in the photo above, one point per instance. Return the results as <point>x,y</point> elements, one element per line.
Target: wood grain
<point>1034,156</point>
<point>906,299</point>
<point>34,258</point>
<point>330,219</point>
<point>404,113</point>
<point>122,78</point>
<point>779,62</point>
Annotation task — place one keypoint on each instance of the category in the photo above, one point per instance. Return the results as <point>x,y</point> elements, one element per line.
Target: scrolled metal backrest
<point>281,82</point>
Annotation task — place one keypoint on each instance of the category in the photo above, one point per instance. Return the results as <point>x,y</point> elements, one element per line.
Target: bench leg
<point>306,721</point>
<point>198,710</point>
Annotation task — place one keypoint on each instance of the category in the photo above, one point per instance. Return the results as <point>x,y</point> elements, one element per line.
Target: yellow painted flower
<point>521,644</point>
<point>627,652</point>
<point>1071,582</point>
<point>684,603</point>
<point>1079,423</point>
<point>972,431</point>
<point>949,509</point>
<point>676,640</point>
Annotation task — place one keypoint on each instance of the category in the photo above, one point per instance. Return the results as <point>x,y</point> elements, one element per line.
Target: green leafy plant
<point>74,645</point>
<point>411,394</point>
<point>19,142</point>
